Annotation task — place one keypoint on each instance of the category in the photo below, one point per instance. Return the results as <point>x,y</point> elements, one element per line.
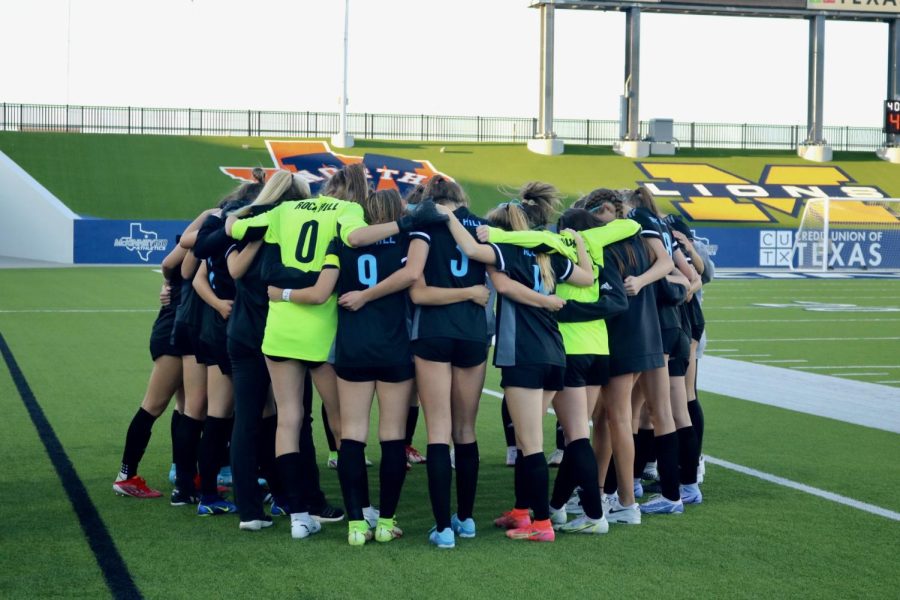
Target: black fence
<point>188,121</point>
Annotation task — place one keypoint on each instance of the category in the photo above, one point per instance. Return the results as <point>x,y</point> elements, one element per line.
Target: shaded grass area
<point>749,538</point>
<point>175,177</point>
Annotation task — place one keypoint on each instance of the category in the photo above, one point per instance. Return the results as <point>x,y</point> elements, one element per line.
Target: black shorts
<point>676,343</point>
<point>678,346</point>
<point>586,369</point>
<point>183,340</point>
<point>309,364</point>
<point>390,374</point>
<point>215,356</point>
<point>533,377</point>
<point>697,321</point>
<point>635,364</point>
<point>459,353</point>
<point>161,339</point>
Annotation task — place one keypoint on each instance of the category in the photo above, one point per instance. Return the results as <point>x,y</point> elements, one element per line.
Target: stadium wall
<point>35,224</point>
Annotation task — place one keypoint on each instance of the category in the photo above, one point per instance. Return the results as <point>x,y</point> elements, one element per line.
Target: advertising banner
<point>134,241</point>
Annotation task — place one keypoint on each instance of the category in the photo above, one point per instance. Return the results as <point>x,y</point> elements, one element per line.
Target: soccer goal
<point>844,234</point>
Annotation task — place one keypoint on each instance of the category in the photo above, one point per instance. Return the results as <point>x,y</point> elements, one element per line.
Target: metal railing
<point>189,121</point>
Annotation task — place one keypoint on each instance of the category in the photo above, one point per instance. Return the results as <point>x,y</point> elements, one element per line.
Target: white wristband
<point>286,294</point>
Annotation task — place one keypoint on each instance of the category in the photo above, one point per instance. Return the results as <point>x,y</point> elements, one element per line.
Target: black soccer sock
<point>643,450</point>
<point>564,484</point>
<point>412,419</point>
<point>289,467</point>
<point>225,459</point>
<point>439,478</point>
<point>329,435</point>
<point>187,439</point>
<point>611,483</point>
<point>467,461</point>
<point>173,427</point>
<point>509,431</point>
<point>136,441</point>
<point>584,471</point>
<point>352,475</point>
<point>667,464</point>
<point>520,484</point>
<point>215,438</point>
<point>696,413</point>
<point>392,473</point>
<point>537,475</point>
<point>265,454</point>
<point>688,455</point>
<point>560,437</point>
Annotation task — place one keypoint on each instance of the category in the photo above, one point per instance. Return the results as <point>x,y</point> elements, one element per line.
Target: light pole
<point>342,139</point>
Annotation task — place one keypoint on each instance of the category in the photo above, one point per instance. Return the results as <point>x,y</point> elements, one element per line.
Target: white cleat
<point>303,526</point>
<point>623,515</point>
<point>556,458</point>
<point>585,524</point>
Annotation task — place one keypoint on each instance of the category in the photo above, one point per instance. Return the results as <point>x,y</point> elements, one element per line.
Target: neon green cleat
<point>358,533</point>
<point>387,530</point>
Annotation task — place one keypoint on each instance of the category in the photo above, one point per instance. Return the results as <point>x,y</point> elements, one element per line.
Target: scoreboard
<point>892,117</point>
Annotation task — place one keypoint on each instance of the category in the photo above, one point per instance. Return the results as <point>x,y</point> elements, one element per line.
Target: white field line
<point>863,506</point>
<point>889,381</point>
<point>784,360</point>
<point>850,367</point>
<point>714,350</point>
<point>811,339</point>
<point>862,374</point>
<point>77,310</point>
<point>775,321</point>
<point>748,355</point>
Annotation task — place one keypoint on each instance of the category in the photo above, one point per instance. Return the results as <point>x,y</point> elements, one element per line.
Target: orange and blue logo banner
<point>316,163</point>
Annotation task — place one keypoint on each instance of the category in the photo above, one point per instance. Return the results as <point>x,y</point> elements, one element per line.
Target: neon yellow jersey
<point>590,337</point>
<point>303,230</point>
<point>541,240</point>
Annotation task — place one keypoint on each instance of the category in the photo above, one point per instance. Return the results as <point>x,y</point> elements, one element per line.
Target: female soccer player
<point>253,438</point>
<point>529,346</point>
<point>673,440</point>
<point>372,356</point>
<point>450,345</point>
<point>298,337</point>
<point>165,381</point>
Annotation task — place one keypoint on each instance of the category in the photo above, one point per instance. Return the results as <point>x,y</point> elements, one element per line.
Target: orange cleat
<point>539,531</point>
<point>514,519</point>
<point>136,487</point>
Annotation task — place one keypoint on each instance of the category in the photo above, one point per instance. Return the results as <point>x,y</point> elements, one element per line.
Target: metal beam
<point>893,74</point>
<point>545,110</point>
<point>815,90</point>
<point>784,9</point>
<point>632,73</point>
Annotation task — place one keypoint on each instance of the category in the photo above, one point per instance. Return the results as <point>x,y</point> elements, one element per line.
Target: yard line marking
<point>78,310</point>
<point>860,374</point>
<point>848,400</point>
<point>858,505</point>
<point>722,349</point>
<point>115,571</point>
<point>800,320</point>
<point>784,360</point>
<point>889,381</point>
<point>492,393</point>
<point>747,355</point>
<point>813,339</point>
<point>852,367</point>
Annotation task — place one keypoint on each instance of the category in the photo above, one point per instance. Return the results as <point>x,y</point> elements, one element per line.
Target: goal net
<point>843,234</point>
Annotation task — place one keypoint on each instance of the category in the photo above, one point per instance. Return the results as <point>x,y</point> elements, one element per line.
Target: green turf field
<point>88,367</point>
<point>171,177</point>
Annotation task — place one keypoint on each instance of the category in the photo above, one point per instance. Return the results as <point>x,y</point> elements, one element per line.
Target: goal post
<point>848,234</point>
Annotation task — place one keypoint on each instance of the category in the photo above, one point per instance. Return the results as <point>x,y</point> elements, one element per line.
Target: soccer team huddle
<point>595,310</point>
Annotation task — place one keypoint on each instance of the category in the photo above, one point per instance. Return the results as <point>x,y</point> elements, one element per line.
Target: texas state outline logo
<point>316,163</point>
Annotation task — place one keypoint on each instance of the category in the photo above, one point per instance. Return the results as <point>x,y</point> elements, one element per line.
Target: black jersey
<point>251,303</point>
<point>190,306</point>
<point>654,227</point>
<point>165,318</point>
<point>636,332</point>
<point>528,335</point>
<point>377,334</point>
<point>448,267</point>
